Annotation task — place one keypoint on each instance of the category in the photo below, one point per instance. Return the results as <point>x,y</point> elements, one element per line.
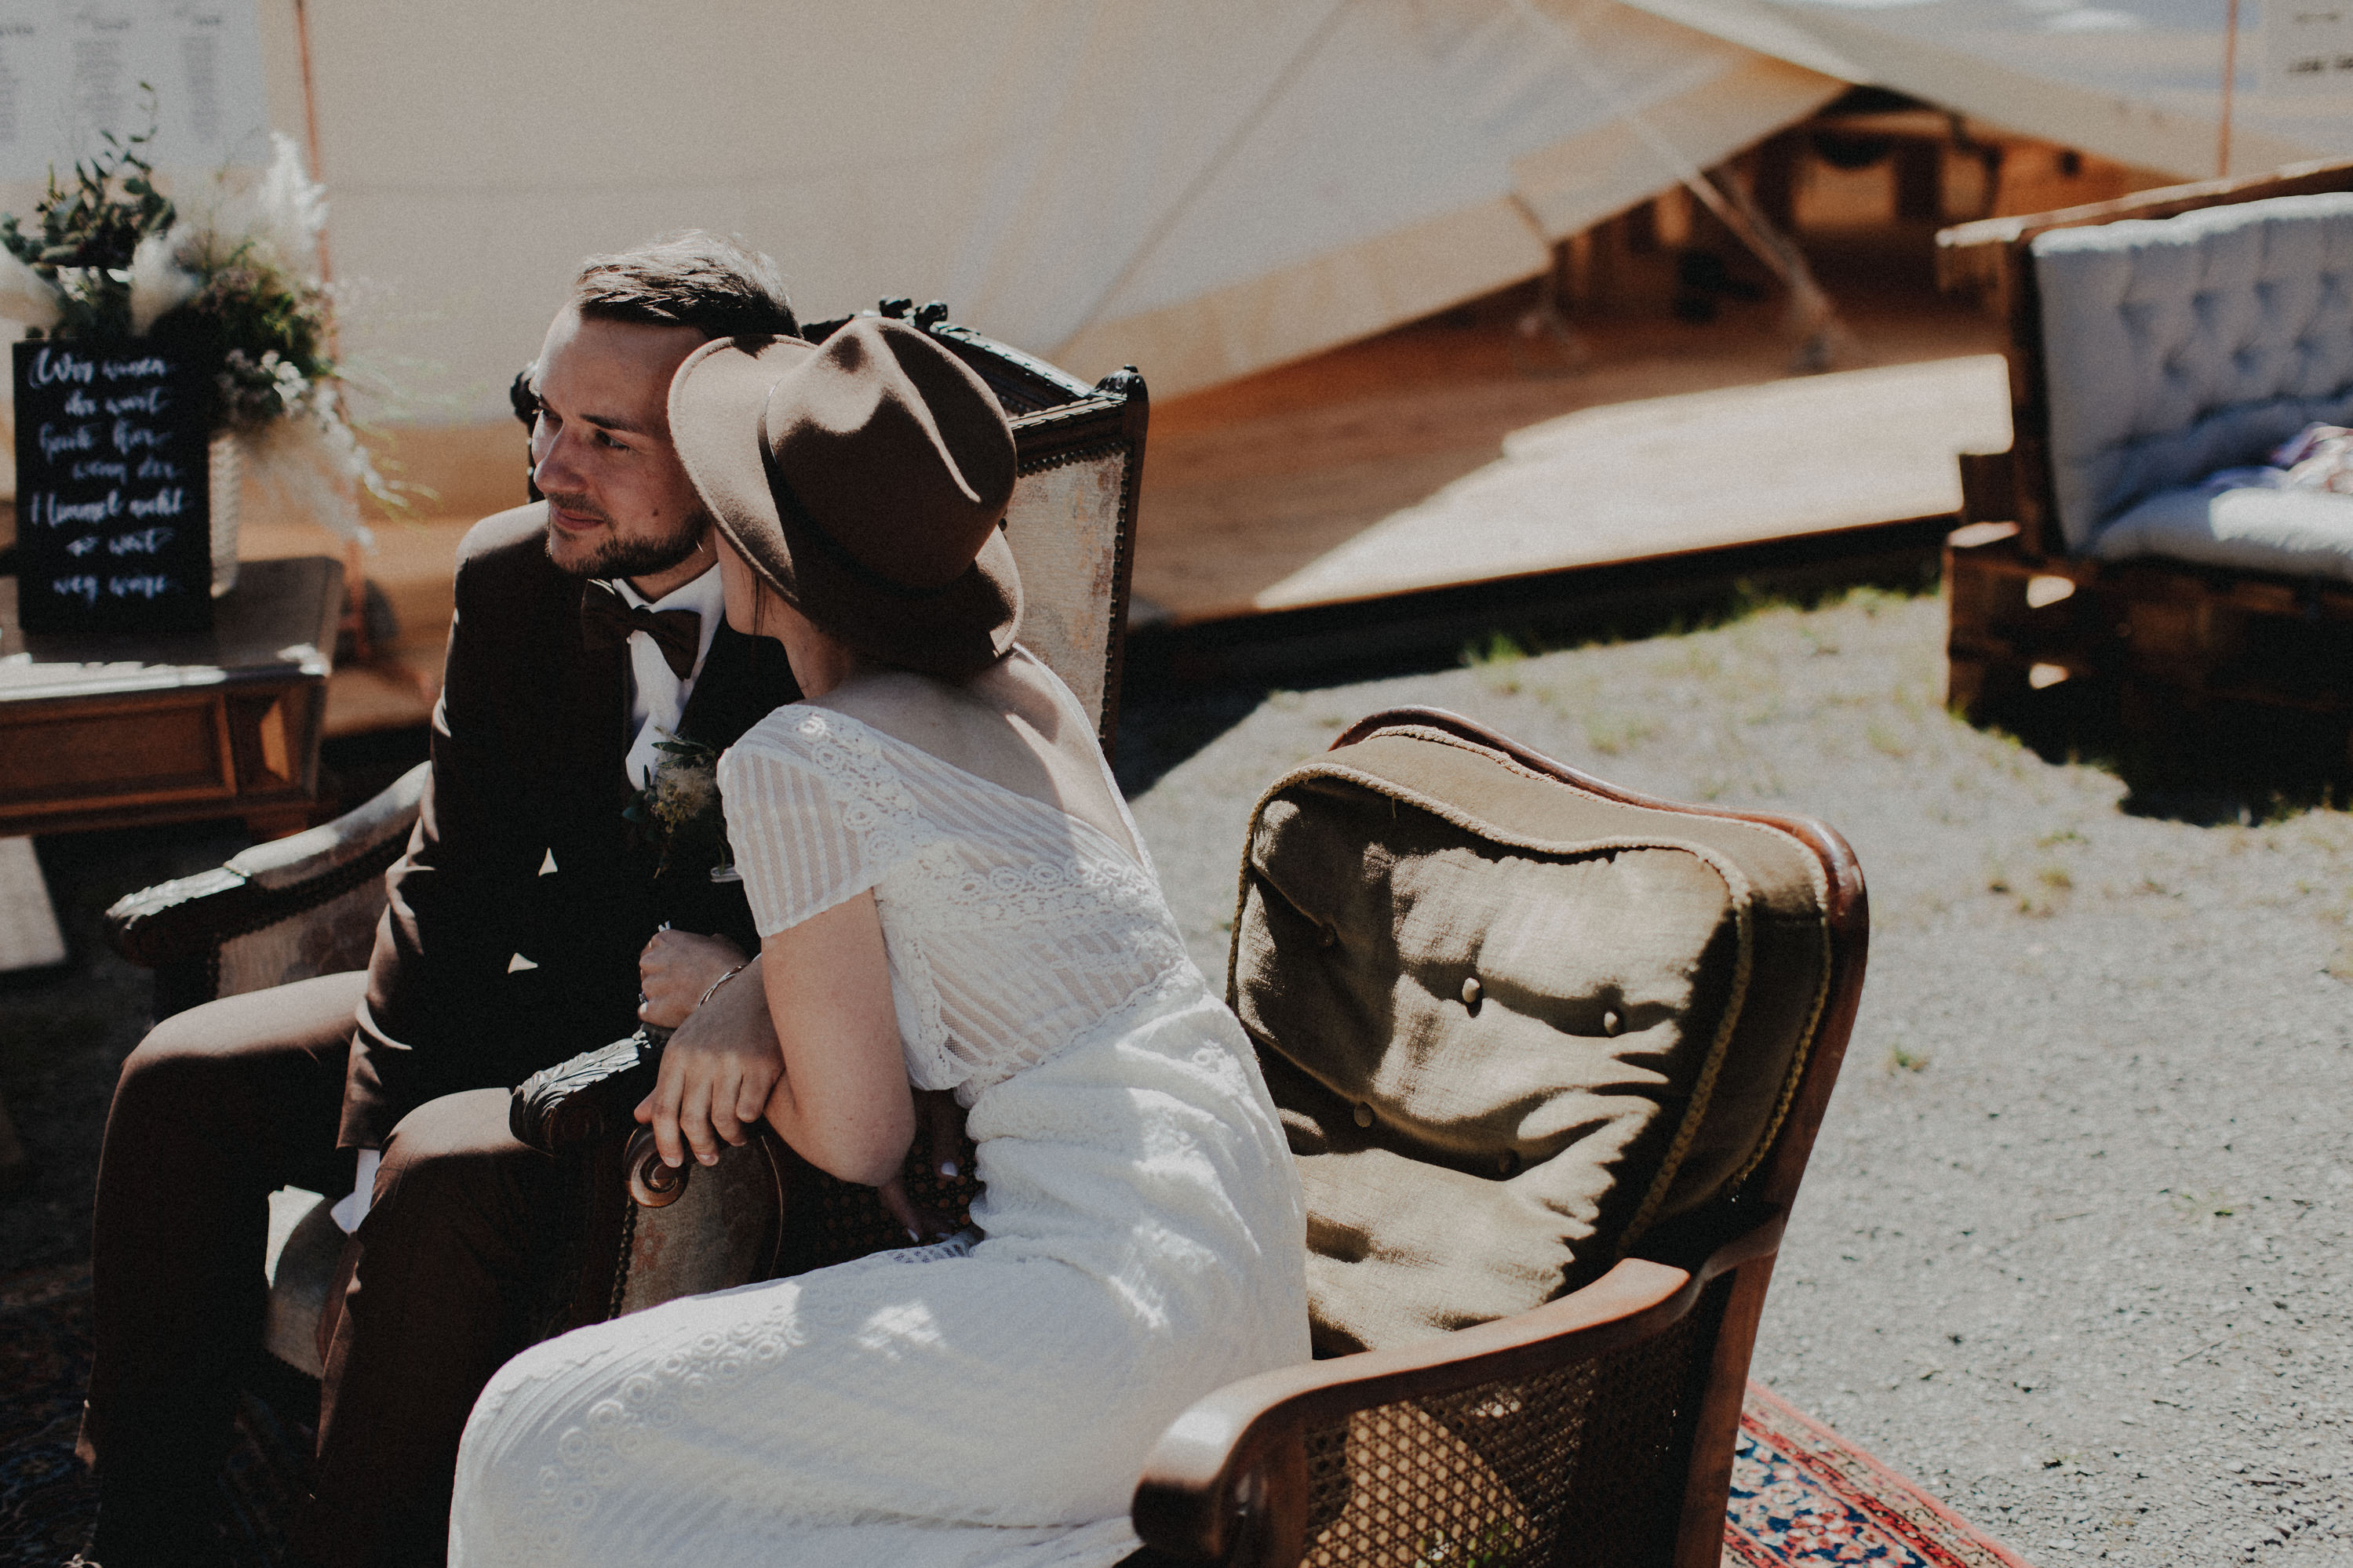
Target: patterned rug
<point>47,1496</point>
<point>1802,1495</point>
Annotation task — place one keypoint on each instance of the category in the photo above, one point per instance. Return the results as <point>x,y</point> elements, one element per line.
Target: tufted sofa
<point>2153,340</point>
<point>2179,346</point>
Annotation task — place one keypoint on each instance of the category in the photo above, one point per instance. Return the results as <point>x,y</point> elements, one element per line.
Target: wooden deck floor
<point>1443,455</point>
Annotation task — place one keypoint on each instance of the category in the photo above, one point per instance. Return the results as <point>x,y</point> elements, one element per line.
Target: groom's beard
<point>617,557</point>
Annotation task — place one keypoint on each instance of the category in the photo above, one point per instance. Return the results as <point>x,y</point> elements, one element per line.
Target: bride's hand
<point>674,970</point>
<point>716,1073</point>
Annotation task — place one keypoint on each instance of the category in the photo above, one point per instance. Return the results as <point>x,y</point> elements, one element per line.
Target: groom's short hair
<point>717,286</point>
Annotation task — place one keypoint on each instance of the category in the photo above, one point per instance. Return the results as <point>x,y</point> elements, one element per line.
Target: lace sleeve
<point>802,837</point>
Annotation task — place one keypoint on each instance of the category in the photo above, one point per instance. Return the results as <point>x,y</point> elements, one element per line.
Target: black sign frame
<point>113,486</point>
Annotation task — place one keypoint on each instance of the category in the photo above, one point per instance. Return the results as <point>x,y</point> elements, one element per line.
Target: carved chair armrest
<point>178,928</point>
<point>1227,1481</point>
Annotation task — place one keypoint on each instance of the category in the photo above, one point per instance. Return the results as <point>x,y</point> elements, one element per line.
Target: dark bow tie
<point>606,623</point>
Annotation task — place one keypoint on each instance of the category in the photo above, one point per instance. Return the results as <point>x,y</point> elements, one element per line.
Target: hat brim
<point>716,404</point>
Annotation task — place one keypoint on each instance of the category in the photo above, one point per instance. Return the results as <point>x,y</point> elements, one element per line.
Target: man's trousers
<point>219,1107</point>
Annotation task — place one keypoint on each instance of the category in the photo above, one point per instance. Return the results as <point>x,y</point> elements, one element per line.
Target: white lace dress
<point>982,1401</point>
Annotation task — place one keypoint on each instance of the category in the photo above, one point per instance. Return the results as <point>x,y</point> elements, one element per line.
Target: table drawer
<point>73,756</point>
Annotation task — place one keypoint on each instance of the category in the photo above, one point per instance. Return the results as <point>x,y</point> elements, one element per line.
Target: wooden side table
<point>125,730</point>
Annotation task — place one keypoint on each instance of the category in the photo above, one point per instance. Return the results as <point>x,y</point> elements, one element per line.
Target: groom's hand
<point>716,1073</point>
<point>674,970</point>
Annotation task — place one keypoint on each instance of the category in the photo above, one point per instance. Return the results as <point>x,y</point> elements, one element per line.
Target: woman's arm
<point>807,1032</point>
<point>843,1100</point>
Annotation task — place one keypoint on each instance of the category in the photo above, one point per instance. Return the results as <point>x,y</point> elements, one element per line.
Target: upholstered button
<point>1611,1023</point>
<point>1507,1162</point>
<point>1327,936</point>
<point>1472,992</point>
<point>1364,1115</point>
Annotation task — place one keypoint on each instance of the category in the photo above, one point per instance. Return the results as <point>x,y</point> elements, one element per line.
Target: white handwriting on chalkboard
<point>79,405</point>
<point>164,503</point>
<point>46,509</point>
<point>52,367</point>
<point>100,468</point>
<point>158,469</point>
<point>83,546</point>
<point>83,588</point>
<point>145,586</point>
<point>78,439</point>
<point>130,438</point>
<point>145,366</point>
<point>146,542</point>
<point>152,403</point>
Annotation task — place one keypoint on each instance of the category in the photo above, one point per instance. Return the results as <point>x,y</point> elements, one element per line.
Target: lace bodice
<point>1013,927</point>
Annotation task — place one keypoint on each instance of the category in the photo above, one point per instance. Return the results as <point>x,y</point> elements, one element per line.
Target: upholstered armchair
<point>1551,1056</point>
<point>308,905</point>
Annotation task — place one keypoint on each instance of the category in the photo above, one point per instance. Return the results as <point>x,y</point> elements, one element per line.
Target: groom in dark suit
<point>589,628</point>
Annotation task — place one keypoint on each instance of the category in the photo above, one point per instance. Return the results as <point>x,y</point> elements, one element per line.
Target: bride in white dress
<point>950,891</point>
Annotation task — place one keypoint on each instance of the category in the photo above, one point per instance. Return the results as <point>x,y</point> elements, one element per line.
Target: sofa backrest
<point>2175,346</point>
<point>1511,1024</point>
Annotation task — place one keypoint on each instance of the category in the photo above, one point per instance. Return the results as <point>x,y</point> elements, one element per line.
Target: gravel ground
<point>2073,1251</point>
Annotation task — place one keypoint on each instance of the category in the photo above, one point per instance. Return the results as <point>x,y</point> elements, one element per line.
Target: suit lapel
<point>743,680</point>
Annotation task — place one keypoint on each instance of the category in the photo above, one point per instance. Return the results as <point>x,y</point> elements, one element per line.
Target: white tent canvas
<point>2139,81</point>
<point>1202,187</point>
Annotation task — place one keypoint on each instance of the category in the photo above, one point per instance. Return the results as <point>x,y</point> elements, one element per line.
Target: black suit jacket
<point>528,742</point>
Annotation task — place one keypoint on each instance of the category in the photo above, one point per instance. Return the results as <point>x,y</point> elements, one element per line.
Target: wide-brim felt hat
<point>865,479</point>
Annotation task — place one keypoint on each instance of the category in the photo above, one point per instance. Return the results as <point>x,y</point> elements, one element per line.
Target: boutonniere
<point>678,810</point>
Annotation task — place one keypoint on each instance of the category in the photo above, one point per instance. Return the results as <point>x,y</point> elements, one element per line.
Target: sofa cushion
<point>2175,346</point>
<point>2304,533</point>
<point>1511,1024</point>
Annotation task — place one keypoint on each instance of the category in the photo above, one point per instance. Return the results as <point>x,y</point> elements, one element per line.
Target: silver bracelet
<point>723,979</point>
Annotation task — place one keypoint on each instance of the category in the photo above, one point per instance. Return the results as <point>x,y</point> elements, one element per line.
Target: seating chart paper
<point>113,498</point>
<point>72,69</point>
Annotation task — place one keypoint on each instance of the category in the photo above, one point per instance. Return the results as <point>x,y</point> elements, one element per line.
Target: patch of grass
<point>1610,733</point>
<point>1900,1060</point>
<point>2064,835</point>
<point>1497,657</point>
<point>1884,739</point>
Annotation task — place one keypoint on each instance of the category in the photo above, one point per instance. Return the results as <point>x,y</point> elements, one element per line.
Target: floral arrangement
<point>235,274</point>
<point>678,811</point>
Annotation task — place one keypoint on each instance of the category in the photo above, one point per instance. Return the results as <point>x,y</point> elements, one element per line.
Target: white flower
<point>158,286</point>
<point>279,217</point>
<point>25,294</point>
<point>290,209</point>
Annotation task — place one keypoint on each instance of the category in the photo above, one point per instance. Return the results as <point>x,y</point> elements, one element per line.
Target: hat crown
<point>895,448</point>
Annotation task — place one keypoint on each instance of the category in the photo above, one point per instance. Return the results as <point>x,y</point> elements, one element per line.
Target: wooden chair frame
<point>2176,638</point>
<point>1228,1482</point>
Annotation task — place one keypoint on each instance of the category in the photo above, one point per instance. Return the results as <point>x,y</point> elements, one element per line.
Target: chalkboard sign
<point>114,498</point>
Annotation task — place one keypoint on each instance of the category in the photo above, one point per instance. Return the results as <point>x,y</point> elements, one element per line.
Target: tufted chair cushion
<point>2175,346</point>
<point>1511,1024</point>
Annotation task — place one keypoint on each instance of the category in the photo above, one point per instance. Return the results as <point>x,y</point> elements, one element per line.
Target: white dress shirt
<point>658,698</point>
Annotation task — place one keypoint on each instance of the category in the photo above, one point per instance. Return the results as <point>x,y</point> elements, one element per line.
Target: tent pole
<point>1824,337</point>
<point>2230,82</point>
<point>354,617</point>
